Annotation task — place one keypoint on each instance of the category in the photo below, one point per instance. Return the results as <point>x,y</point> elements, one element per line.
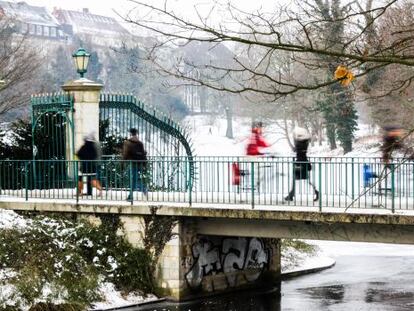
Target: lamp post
<point>81,58</point>
<point>85,112</point>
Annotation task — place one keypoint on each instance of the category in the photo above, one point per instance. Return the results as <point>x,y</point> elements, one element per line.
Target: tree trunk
<point>229,116</point>
<point>330,133</point>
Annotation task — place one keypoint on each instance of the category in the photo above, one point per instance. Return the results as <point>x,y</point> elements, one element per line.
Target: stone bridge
<point>217,247</point>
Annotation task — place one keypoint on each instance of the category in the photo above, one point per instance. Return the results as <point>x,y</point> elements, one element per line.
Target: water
<point>365,277</point>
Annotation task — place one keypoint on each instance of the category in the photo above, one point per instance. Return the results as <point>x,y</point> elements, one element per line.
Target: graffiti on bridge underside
<point>240,260</point>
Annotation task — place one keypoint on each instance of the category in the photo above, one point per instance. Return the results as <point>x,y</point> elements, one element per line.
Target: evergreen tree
<point>346,119</point>
<point>60,70</point>
<point>18,145</point>
<point>337,103</point>
<point>94,68</point>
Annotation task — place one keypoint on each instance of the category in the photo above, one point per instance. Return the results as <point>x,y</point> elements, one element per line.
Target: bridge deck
<point>115,202</point>
<point>244,199</point>
<point>276,221</point>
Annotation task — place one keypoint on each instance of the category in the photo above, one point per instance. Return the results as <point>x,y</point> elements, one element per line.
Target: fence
<point>341,182</point>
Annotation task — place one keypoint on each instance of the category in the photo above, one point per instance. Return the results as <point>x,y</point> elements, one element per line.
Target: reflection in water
<point>326,294</point>
<point>394,297</point>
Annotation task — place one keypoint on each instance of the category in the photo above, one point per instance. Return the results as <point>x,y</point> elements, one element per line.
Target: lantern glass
<point>81,61</point>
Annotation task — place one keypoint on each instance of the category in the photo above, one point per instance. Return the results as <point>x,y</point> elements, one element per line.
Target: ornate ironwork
<point>161,136</point>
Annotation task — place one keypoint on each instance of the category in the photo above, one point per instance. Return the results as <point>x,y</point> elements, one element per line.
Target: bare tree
<point>19,62</point>
<point>267,32</point>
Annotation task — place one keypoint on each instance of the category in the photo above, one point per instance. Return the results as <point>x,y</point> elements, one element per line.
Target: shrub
<point>61,260</point>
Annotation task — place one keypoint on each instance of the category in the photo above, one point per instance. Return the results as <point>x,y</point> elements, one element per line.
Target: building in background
<point>95,29</point>
<point>33,21</point>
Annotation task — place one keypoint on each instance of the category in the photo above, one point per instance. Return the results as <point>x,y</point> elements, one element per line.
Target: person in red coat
<point>256,141</point>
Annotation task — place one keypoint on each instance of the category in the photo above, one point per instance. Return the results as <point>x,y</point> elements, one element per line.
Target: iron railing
<point>341,182</point>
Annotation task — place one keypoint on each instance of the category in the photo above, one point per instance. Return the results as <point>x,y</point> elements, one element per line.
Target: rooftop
<point>28,13</point>
<point>86,22</point>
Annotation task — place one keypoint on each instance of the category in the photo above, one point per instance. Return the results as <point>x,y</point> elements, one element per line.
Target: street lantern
<point>81,58</point>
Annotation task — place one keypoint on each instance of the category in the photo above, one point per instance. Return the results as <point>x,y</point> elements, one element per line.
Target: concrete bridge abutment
<point>192,265</point>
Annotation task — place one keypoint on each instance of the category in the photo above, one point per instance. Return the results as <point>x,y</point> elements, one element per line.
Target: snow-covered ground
<point>209,139</point>
<point>114,299</point>
<point>336,249</point>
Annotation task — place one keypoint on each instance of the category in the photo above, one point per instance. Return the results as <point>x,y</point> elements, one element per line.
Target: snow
<point>310,263</point>
<point>7,136</point>
<point>9,295</point>
<point>11,220</point>
<point>294,261</point>
<point>114,299</point>
<point>215,143</point>
<point>337,249</point>
<point>208,137</point>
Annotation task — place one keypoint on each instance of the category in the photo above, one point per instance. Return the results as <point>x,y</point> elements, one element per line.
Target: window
<point>39,31</point>
<point>46,31</point>
<point>25,27</point>
<point>32,29</point>
<point>53,31</point>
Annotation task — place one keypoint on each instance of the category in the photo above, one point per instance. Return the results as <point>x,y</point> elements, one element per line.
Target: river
<point>365,277</point>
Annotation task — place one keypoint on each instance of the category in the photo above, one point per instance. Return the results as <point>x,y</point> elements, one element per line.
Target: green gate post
<point>76,180</point>
<point>353,180</point>
<point>241,182</point>
<point>26,181</point>
<point>392,188</point>
<point>252,182</point>
<point>131,191</point>
<point>190,185</point>
<point>320,185</point>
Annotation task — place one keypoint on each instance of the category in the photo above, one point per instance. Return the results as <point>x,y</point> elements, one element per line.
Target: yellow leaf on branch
<point>344,75</point>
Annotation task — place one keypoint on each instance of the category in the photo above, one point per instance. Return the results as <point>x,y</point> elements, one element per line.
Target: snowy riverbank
<point>293,261</point>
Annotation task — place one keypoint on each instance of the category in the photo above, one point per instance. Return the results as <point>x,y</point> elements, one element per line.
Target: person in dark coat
<point>392,140</point>
<point>301,167</point>
<point>133,150</point>
<point>88,154</point>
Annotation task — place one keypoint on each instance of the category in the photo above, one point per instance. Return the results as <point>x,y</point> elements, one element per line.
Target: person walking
<point>392,140</point>
<point>88,154</point>
<point>254,149</point>
<point>301,166</point>
<point>134,151</point>
<point>256,141</point>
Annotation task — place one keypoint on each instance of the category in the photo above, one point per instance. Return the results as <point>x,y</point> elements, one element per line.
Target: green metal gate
<point>52,123</point>
<point>162,138</point>
<point>52,139</point>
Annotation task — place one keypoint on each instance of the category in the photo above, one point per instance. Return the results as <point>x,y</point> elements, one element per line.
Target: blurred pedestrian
<point>256,141</point>
<point>301,166</point>
<point>89,154</point>
<point>134,151</point>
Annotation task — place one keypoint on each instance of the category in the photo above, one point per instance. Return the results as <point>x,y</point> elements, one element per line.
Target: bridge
<point>214,216</point>
<point>225,215</point>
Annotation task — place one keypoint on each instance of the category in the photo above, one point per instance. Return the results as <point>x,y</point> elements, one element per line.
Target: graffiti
<point>238,260</point>
<point>207,261</point>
